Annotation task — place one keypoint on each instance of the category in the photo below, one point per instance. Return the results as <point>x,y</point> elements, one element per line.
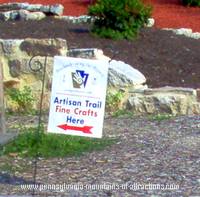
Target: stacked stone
<point>26,11</point>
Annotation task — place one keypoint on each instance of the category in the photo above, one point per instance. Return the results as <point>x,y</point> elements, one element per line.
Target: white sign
<point>78,96</point>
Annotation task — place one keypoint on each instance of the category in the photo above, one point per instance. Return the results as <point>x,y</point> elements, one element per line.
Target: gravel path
<point>148,152</point>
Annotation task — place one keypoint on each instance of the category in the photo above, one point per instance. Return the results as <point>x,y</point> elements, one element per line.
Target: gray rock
<point>11,11</point>
<point>120,74</point>
<point>4,17</point>
<point>57,9</point>
<point>124,75</point>
<point>185,31</point>
<point>21,14</point>
<point>77,19</point>
<point>164,100</point>
<point>7,137</point>
<point>26,15</point>
<point>42,47</point>
<point>195,35</point>
<point>168,89</point>
<point>88,53</point>
<point>9,46</point>
<point>15,68</point>
<point>150,22</point>
<point>9,15</point>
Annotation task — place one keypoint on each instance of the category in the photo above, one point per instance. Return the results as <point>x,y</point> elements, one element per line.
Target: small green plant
<point>113,100</point>
<point>119,19</point>
<point>28,144</point>
<point>23,98</point>
<point>160,117</point>
<point>191,2</point>
<point>122,113</point>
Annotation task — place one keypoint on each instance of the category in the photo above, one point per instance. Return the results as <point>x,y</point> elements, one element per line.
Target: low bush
<point>191,2</point>
<point>24,98</point>
<point>113,101</point>
<point>119,19</point>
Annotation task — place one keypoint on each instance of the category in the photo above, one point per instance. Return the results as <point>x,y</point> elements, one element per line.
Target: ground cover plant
<point>31,143</point>
<point>119,19</point>
<point>22,99</point>
<point>113,100</point>
<point>160,117</point>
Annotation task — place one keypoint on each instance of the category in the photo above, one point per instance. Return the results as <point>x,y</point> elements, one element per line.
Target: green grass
<point>160,117</point>
<point>29,144</point>
<point>122,113</point>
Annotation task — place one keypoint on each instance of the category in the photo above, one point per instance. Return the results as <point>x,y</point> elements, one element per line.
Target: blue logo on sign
<point>79,78</point>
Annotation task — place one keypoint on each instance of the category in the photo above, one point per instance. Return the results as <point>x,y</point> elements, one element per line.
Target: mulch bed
<point>148,151</point>
<point>167,13</point>
<point>164,58</point>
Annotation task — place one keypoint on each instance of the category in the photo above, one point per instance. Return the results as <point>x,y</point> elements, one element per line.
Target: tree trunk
<point>2,114</point>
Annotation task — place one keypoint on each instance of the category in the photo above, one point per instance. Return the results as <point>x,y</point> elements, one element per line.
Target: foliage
<point>30,143</point>
<point>122,112</point>
<point>191,2</point>
<point>113,100</point>
<point>119,19</point>
<point>160,117</point>
<point>23,98</point>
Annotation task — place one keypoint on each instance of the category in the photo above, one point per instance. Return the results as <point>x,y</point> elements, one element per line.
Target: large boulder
<point>169,100</point>
<point>22,15</point>
<point>120,74</point>
<point>123,75</point>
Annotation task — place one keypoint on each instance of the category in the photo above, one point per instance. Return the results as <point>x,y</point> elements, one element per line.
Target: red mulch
<point>171,13</point>
<point>167,13</point>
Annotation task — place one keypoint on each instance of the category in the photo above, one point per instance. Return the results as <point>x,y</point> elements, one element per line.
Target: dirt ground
<point>164,58</point>
<point>147,151</point>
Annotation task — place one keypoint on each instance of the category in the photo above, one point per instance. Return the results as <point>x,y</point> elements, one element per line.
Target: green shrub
<point>23,98</point>
<point>191,2</point>
<point>118,19</point>
<point>113,101</point>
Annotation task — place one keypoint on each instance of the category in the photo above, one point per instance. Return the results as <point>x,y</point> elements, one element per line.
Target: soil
<point>147,151</point>
<point>164,58</point>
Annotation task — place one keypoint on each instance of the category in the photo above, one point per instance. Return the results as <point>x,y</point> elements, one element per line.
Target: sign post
<point>78,96</point>
<point>2,114</point>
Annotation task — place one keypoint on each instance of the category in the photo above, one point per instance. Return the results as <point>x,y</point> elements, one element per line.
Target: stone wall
<point>171,100</point>
<point>15,56</point>
<point>26,11</point>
